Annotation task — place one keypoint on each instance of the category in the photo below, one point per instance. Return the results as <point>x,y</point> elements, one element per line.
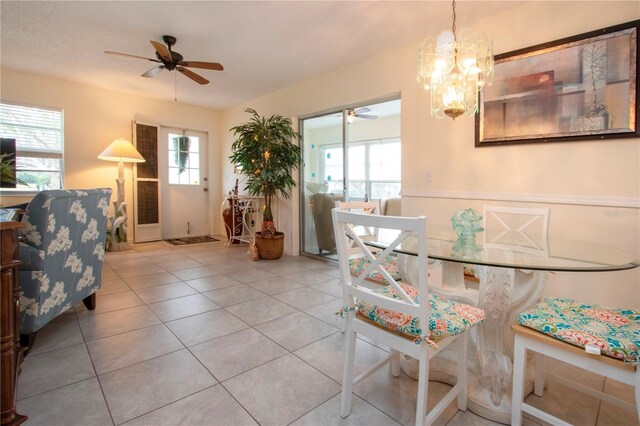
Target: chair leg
<point>519,364</point>
<point>395,363</point>
<point>637,390</point>
<point>342,322</point>
<point>538,384</point>
<point>463,396</point>
<point>347,372</point>
<point>90,301</point>
<point>27,341</point>
<point>423,388</point>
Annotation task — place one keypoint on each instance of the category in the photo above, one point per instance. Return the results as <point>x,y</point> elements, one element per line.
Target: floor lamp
<point>122,151</point>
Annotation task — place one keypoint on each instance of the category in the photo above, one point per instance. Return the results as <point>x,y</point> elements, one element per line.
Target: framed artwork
<point>577,88</point>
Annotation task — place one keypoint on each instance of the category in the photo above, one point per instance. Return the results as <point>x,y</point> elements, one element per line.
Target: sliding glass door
<point>323,180</point>
<point>352,154</point>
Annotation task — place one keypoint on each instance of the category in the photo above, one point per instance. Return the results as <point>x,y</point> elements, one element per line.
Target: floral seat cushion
<point>447,318</point>
<point>389,264</point>
<point>470,270</point>
<point>616,332</point>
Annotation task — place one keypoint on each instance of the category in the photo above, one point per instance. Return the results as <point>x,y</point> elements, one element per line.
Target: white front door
<point>184,179</point>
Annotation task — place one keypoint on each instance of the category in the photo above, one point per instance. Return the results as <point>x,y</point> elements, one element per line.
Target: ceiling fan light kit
<point>173,61</point>
<point>352,114</point>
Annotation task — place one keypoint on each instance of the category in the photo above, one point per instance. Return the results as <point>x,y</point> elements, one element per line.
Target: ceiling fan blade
<point>193,76</point>
<point>130,56</point>
<point>363,109</point>
<point>153,71</point>
<point>162,51</point>
<point>367,116</point>
<point>204,65</point>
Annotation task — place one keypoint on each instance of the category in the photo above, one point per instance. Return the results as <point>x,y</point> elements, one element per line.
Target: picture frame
<point>576,88</point>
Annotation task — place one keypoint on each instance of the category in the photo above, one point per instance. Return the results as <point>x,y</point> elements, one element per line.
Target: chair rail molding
<point>580,200</point>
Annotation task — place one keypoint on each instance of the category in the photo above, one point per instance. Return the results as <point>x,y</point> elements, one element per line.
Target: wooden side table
<point>9,327</point>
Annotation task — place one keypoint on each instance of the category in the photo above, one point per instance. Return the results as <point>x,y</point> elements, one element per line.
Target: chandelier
<point>455,67</point>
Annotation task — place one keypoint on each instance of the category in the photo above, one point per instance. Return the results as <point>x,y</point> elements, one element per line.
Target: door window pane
<point>184,160</point>
<point>385,161</point>
<point>381,190</point>
<point>357,162</point>
<point>357,189</point>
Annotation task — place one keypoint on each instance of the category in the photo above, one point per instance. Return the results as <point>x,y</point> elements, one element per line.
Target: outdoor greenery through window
<point>38,134</point>
<point>374,168</point>
<point>184,160</point>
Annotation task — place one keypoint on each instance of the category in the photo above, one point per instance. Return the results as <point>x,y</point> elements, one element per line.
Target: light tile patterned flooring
<point>201,335</point>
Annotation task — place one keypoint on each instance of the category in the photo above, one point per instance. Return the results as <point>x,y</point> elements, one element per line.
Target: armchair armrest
<point>32,258</point>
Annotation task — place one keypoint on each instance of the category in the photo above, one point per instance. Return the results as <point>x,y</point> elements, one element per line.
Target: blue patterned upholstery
<point>62,254</point>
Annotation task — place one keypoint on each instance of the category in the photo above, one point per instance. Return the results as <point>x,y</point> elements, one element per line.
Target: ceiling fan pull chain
<point>175,85</point>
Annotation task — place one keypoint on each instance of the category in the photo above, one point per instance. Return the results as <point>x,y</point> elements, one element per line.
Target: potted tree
<point>264,151</point>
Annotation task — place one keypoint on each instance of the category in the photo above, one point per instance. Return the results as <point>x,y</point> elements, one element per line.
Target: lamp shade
<point>121,150</point>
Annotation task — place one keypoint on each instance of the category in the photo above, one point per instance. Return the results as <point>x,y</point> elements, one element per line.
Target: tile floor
<point>200,334</point>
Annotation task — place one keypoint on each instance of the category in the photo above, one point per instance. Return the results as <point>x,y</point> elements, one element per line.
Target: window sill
<point>17,192</point>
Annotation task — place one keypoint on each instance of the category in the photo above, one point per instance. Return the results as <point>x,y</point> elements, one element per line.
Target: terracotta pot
<point>270,248</point>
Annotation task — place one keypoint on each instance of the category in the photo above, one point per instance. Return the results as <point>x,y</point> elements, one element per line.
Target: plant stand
<point>244,212</point>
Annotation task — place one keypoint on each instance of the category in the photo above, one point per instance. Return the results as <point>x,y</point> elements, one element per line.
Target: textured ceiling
<point>263,45</point>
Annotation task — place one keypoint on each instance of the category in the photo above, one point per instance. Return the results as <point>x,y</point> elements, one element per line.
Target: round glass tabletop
<point>562,255</point>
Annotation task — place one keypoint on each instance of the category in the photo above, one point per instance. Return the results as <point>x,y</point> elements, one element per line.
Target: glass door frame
<point>345,160</point>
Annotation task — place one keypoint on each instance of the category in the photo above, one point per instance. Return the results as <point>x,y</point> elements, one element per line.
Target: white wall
<point>93,118</point>
<point>603,175</point>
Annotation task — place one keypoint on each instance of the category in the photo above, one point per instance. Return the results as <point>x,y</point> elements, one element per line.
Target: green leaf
<point>267,155</point>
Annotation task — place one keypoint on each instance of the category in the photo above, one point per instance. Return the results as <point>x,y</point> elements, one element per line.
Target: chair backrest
<point>364,207</point>
<point>392,207</point>
<point>65,229</point>
<point>63,252</point>
<point>406,228</point>
<point>321,205</point>
<point>516,228</point>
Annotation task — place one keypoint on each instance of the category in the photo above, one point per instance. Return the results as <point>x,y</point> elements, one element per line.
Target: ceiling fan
<point>170,60</point>
<point>352,114</point>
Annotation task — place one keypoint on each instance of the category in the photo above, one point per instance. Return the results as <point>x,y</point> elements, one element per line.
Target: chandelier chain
<point>453,26</point>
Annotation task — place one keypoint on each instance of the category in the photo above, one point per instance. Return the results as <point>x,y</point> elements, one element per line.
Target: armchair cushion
<point>65,233</point>
<point>615,331</point>
<point>321,205</point>
<point>447,318</point>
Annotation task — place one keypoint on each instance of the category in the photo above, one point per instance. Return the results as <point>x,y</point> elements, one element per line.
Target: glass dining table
<point>510,281</point>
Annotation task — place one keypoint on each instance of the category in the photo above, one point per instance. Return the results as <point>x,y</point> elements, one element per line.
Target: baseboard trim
<point>578,200</point>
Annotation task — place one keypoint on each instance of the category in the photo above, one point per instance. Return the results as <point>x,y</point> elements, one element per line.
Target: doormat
<point>191,240</point>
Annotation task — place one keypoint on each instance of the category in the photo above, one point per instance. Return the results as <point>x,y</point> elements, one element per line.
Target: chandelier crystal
<point>454,68</point>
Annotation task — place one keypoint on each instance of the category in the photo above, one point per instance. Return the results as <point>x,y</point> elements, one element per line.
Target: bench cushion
<point>615,331</point>
<point>447,318</point>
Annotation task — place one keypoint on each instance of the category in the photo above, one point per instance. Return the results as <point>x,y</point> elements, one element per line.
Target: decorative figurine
<point>466,223</point>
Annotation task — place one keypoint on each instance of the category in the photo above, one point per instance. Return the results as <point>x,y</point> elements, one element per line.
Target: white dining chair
<point>516,228</point>
<point>364,207</point>
<point>595,338</point>
<point>357,262</point>
<point>395,314</point>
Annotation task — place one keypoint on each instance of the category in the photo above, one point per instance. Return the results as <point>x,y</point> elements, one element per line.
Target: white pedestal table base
<point>503,294</point>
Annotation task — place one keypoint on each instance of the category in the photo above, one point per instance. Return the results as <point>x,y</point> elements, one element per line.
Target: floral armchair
<point>62,251</point>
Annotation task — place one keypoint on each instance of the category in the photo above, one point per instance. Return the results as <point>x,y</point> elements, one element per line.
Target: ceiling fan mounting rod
<point>169,40</point>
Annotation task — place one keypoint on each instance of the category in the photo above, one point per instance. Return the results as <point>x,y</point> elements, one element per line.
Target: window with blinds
<point>39,134</point>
